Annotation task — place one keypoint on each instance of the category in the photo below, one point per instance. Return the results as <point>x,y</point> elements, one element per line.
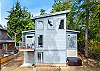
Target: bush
<point>94,51</point>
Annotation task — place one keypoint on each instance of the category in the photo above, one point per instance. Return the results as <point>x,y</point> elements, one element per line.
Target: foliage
<point>93,25</point>
<point>42,12</point>
<point>19,19</point>
<point>94,50</point>
<point>61,6</point>
<point>76,20</point>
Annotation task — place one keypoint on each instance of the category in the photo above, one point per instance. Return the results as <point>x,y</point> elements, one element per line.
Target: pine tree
<point>19,19</point>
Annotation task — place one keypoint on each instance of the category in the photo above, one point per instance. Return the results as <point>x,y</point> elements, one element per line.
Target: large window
<point>40,57</point>
<point>61,26</point>
<point>40,25</point>
<point>72,41</point>
<point>40,41</point>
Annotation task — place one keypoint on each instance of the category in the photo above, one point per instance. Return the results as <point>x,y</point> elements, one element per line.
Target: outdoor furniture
<point>74,61</point>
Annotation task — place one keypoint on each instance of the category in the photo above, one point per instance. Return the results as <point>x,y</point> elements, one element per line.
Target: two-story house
<point>50,42</point>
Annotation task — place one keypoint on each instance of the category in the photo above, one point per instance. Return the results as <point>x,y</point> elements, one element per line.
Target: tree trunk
<point>86,32</point>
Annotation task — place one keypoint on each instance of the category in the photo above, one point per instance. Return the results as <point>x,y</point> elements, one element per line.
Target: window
<point>40,41</point>
<point>29,36</point>
<point>72,41</point>
<point>40,57</point>
<point>5,46</point>
<point>40,25</point>
<point>50,24</point>
<point>61,26</point>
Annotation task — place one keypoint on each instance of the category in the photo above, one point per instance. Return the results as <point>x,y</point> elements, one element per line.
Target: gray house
<point>50,42</point>
<point>6,42</point>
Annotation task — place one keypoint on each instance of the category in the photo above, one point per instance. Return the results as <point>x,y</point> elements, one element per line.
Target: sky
<point>33,6</point>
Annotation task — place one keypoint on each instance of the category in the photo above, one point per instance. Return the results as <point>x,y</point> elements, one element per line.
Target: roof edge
<point>51,14</point>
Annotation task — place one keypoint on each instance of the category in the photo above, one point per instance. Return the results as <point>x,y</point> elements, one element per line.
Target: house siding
<point>54,40</point>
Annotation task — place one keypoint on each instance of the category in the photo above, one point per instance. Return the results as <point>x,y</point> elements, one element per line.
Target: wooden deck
<point>6,59</point>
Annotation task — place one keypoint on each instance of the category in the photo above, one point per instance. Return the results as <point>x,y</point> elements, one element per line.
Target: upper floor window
<point>61,26</point>
<point>40,25</point>
<point>50,24</point>
<point>40,41</point>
